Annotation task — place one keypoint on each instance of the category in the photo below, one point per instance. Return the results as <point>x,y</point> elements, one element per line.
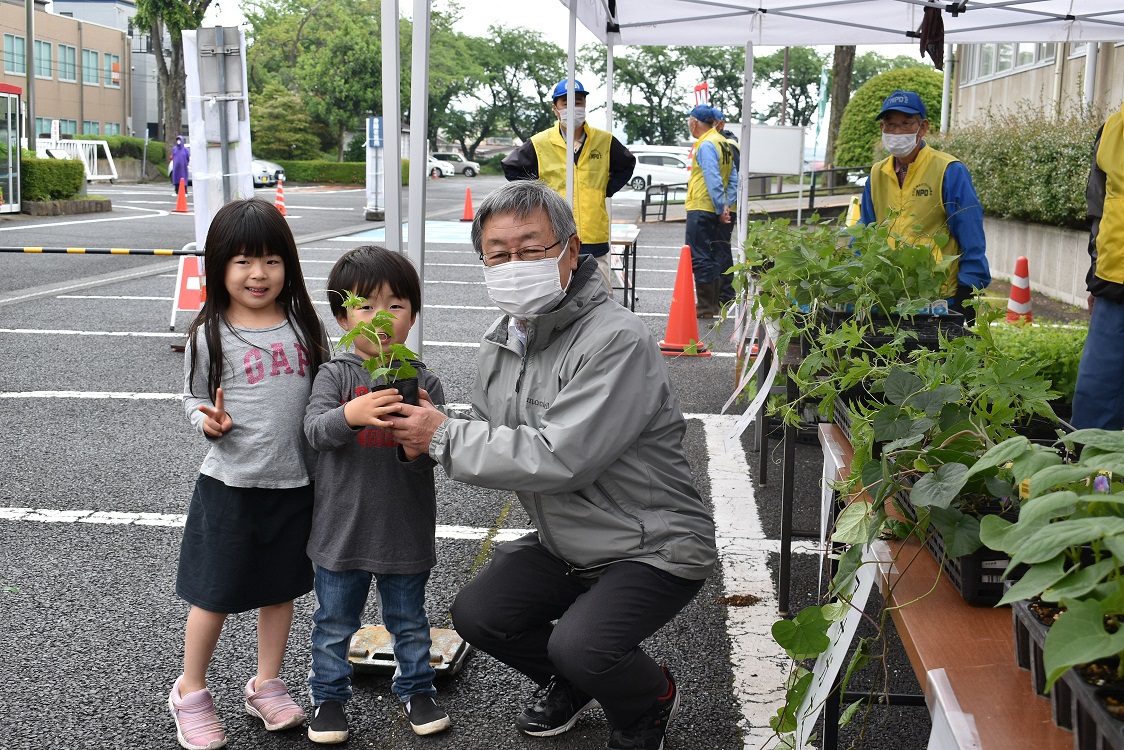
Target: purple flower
<point>1101,483</point>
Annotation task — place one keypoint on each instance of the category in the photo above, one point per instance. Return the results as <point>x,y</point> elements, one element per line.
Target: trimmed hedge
<point>1026,165</point>
<point>333,172</point>
<point>51,179</point>
<point>327,172</point>
<point>127,145</point>
<point>858,130</point>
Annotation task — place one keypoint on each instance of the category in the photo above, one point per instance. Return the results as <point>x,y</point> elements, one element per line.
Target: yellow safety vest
<point>1110,237</point>
<point>918,201</point>
<point>698,199</point>
<point>591,177</point>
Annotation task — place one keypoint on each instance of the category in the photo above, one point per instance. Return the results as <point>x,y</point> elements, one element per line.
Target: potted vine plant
<point>391,362</point>
<point>1070,535</point>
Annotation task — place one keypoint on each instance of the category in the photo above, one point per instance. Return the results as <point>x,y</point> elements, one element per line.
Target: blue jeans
<point>340,599</point>
<point>702,230</point>
<point>1098,399</point>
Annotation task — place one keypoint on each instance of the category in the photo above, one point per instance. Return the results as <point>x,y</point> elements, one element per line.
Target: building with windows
<point>1059,78</point>
<point>81,70</point>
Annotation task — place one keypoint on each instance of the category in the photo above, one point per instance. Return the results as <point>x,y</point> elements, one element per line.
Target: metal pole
<point>743,165</point>
<point>224,141</point>
<point>571,74</point>
<point>29,57</point>
<point>1090,74</point>
<point>946,98</point>
<point>419,147</point>
<point>609,122</point>
<point>392,125</point>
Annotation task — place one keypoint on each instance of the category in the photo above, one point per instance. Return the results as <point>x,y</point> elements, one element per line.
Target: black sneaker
<point>425,716</point>
<point>557,706</point>
<point>329,724</point>
<point>647,732</point>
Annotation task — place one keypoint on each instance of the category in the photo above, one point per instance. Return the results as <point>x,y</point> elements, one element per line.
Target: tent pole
<point>1090,74</point>
<point>571,76</point>
<point>946,91</point>
<point>419,149</point>
<point>392,124</point>
<point>609,117</point>
<point>743,165</point>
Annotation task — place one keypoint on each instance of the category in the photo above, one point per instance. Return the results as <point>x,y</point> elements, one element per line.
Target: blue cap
<point>904,101</point>
<point>718,115</point>
<point>703,113</point>
<point>560,89</point>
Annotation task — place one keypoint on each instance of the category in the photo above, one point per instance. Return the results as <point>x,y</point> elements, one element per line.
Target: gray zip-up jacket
<point>585,427</point>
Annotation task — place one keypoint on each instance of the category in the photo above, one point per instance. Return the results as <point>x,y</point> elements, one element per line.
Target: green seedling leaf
<point>1078,637</point>
<point>939,488</point>
<point>890,424</point>
<point>856,525</point>
<point>1000,454</point>
<point>1055,538</point>
<point>1111,440</point>
<point>1111,462</point>
<point>834,612</point>
<point>997,487</point>
<point>933,402</point>
<point>848,566</point>
<point>1035,580</point>
<point>900,385</point>
<point>1039,510</point>
<point>960,531</point>
<point>1079,582</point>
<point>1053,476</point>
<point>1029,464</point>
<point>859,659</point>
<point>994,532</point>
<point>849,713</point>
<point>784,722</point>
<point>904,442</point>
<point>804,637</point>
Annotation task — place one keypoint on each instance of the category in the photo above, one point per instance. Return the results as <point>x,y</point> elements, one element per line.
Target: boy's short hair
<point>364,269</point>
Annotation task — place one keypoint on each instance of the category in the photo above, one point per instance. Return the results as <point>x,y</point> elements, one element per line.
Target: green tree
<point>724,69</point>
<point>520,70</point>
<point>870,64</point>
<point>455,71</point>
<point>175,16</point>
<point>803,84</point>
<point>653,109</point>
<point>280,127</point>
<point>859,132</point>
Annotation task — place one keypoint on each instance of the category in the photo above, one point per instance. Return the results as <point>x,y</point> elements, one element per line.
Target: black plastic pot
<point>407,388</point>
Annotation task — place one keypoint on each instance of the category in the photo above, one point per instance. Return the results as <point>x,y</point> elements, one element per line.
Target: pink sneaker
<point>272,704</point>
<point>197,725</point>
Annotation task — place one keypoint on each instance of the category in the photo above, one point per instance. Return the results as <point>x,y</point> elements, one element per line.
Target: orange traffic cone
<point>468,215</point>
<point>181,199</point>
<point>682,325</point>
<point>279,202</point>
<point>1018,304</point>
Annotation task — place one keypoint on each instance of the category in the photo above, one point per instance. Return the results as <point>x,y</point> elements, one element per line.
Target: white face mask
<point>579,117</point>
<point>899,144</point>
<point>526,287</point>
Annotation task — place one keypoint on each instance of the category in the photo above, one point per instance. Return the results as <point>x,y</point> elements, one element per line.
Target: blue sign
<point>374,132</point>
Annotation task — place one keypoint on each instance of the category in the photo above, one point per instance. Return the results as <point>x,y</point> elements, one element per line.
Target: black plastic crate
<point>925,329</point>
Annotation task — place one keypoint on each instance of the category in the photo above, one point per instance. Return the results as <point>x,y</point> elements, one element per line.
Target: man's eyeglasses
<point>902,128</point>
<point>531,252</point>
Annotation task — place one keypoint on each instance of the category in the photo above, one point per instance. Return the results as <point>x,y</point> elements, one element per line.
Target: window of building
<point>91,127</point>
<point>90,67</point>
<point>113,128</point>
<point>68,63</point>
<point>42,126</point>
<point>15,58</point>
<point>987,60</point>
<point>43,66</point>
<point>1047,52</point>
<point>1024,54</point>
<point>112,70</point>
<point>68,127</point>
<point>1005,59</point>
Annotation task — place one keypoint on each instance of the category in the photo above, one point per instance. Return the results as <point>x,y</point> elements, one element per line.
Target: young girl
<point>251,356</point>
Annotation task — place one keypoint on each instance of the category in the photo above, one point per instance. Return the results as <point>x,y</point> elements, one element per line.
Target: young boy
<point>375,514</point>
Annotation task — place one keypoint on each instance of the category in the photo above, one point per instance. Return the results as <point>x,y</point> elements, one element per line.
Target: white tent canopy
<point>808,22</point>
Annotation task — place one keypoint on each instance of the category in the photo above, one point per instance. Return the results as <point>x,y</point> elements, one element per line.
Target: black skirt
<point>244,548</point>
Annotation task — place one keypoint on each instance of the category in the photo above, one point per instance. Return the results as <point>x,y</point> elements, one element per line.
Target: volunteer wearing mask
<point>574,411</point>
<point>602,166</point>
<point>932,194</point>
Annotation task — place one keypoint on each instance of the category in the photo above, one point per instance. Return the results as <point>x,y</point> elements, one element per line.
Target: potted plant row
<point>923,401</point>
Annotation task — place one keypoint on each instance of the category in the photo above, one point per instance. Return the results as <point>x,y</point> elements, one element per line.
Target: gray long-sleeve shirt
<point>372,511</point>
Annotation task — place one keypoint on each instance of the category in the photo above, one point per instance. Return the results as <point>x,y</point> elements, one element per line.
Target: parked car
<point>437,168</point>
<point>659,165</point>
<point>460,164</point>
<point>266,173</point>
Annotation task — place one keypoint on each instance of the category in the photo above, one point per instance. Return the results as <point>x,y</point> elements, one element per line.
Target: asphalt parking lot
<point>99,463</point>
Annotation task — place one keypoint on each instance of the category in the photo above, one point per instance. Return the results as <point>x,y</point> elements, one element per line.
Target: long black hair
<point>253,228</point>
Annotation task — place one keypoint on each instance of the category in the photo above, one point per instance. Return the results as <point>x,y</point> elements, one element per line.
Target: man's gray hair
<point>523,198</point>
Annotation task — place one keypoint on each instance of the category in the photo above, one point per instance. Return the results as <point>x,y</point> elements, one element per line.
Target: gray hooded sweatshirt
<point>585,427</point>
